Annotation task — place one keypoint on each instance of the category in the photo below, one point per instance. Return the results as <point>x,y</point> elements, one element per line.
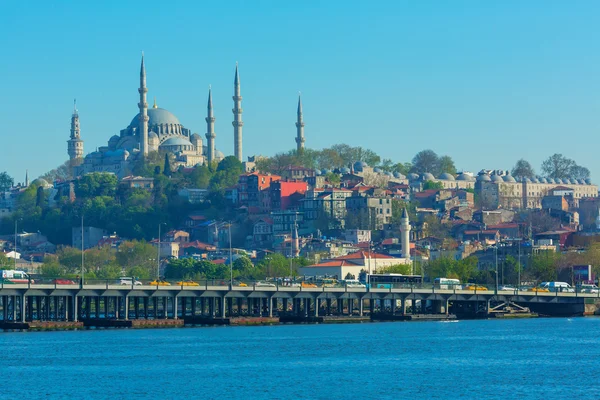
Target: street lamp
<point>82,253</point>
<point>15,252</point>
<point>496,251</point>
<point>230,258</point>
<point>158,254</point>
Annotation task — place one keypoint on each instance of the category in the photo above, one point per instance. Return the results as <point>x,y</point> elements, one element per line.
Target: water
<point>495,359</point>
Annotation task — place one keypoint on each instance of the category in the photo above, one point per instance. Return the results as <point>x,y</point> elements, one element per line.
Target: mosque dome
<point>157,116</point>
<point>388,173</point>
<point>219,154</point>
<point>508,178</point>
<point>377,170</point>
<point>483,177</point>
<point>496,178</point>
<point>413,177</point>
<point>41,182</point>
<point>345,170</point>
<point>447,177</point>
<point>176,141</point>
<point>427,177</point>
<point>359,166</point>
<point>318,172</point>
<point>581,181</point>
<point>152,135</point>
<point>543,180</point>
<point>398,175</point>
<point>462,177</point>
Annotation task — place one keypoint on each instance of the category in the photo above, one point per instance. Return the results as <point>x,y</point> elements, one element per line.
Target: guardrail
<point>289,285</point>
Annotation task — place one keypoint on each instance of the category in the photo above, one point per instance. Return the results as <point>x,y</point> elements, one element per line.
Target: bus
<point>387,281</point>
<point>446,283</point>
<point>12,276</point>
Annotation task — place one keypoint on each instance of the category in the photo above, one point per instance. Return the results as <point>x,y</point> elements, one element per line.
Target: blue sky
<point>484,82</point>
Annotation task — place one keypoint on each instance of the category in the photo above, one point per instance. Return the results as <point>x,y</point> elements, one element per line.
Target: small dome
<point>463,177</point>
<point>318,172</point>
<point>345,170</point>
<point>114,139</point>
<point>398,175</point>
<point>497,178</point>
<point>39,182</point>
<point>388,173</point>
<point>326,171</point>
<point>359,166</point>
<point>588,181</point>
<point>508,178</point>
<point>152,136</point>
<point>427,177</point>
<point>176,141</point>
<point>447,177</point>
<point>377,170</point>
<point>573,181</point>
<point>483,177</point>
<point>535,180</point>
<point>413,177</point>
<point>543,180</point>
<point>526,180</point>
<point>219,154</point>
<point>581,181</point>
<point>195,136</point>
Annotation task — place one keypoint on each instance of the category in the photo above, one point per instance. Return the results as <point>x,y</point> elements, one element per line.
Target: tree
<point>96,184</point>
<point>579,172</point>
<point>446,164</point>
<point>138,254</point>
<point>433,185</point>
<point>404,269</point>
<point>167,168</point>
<point>557,166</point>
<point>6,181</point>
<point>40,197</point>
<point>523,169</point>
<point>63,172</point>
<point>425,161</point>
<point>242,264</point>
<point>332,178</point>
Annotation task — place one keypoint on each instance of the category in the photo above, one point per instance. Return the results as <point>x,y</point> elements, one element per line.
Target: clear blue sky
<point>486,82</point>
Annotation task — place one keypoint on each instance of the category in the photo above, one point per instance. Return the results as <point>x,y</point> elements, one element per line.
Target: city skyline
<point>480,84</point>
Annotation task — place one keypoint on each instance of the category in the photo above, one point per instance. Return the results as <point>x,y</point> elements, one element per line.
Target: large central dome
<point>157,116</point>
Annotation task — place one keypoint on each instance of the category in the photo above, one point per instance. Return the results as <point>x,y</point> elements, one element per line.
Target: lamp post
<point>82,254</point>
<point>519,267</point>
<point>15,253</point>
<point>496,251</point>
<point>230,258</point>
<point>158,254</point>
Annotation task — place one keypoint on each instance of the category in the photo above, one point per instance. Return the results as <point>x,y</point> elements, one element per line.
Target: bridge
<point>99,301</point>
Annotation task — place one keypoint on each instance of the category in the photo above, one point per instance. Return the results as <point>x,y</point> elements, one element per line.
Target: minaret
<point>300,127</point>
<point>26,178</point>
<point>237,116</point>
<point>143,128</point>
<point>405,234</point>
<point>210,128</point>
<point>75,144</point>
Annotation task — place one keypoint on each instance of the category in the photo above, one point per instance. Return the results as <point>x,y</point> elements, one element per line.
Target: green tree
<point>404,269</point>
<point>579,172</point>
<point>242,264</point>
<point>96,184</point>
<point>543,266</point>
<point>425,161</point>
<point>523,169</point>
<point>446,164</point>
<point>557,166</point>
<point>6,181</point>
<point>138,254</point>
<point>333,179</point>
<point>432,185</point>
<point>167,168</point>
<point>52,267</point>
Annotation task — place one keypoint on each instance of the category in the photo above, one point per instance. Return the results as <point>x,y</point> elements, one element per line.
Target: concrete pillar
<point>202,306</point>
<point>393,309</point>
<point>350,306</point>
<point>166,307</point>
<point>23,308</point>
<point>404,306</point>
<point>194,301</point>
<point>316,301</point>
<point>211,307</point>
<point>270,306</point>
<point>175,308</point>
<point>285,305</point>
<point>223,306</point>
<point>126,300</point>
<point>360,307</point>
<point>340,306</point>
<point>328,306</point>
<point>74,308</point>
<point>155,307</point>
<point>4,308</point>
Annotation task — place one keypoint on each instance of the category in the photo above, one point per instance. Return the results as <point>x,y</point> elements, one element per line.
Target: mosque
<point>156,129</point>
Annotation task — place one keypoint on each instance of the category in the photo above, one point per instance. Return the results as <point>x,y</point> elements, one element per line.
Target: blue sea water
<point>487,359</point>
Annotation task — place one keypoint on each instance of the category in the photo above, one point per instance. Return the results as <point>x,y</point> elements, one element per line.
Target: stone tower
<point>300,127</point>
<point>210,129</point>
<point>143,106</point>
<point>405,234</point>
<point>237,116</point>
<point>75,144</point>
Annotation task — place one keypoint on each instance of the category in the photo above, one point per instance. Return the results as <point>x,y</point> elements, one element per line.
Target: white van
<point>354,283</point>
<point>558,287</point>
<point>128,280</point>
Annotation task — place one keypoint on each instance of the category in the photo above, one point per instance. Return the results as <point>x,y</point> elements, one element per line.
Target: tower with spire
<point>75,144</point>
<point>210,129</point>
<point>300,127</point>
<point>237,116</point>
<point>405,234</point>
<point>143,106</point>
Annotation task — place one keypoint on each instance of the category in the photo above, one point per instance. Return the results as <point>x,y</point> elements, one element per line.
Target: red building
<point>282,194</point>
<point>250,185</point>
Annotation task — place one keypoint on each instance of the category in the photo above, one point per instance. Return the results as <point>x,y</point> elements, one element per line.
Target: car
<point>474,286</point>
<point>264,284</point>
<point>187,283</point>
<point>588,288</point>
<point>62,281</point>
<point>308,285</point>
<point>240,284</point>
<point>507,287</point>
<point>157,282</point>
<point>538,289</point>
<point>127,280</point>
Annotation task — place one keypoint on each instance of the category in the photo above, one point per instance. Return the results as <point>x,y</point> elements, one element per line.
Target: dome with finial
<point>447,177</point>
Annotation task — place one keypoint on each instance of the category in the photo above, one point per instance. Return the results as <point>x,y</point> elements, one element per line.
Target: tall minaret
<point>143,105</point>
<point>405,234</point>
<point>237,116</point>
<point>295,241</point>
<point>210,128</point>
<point>75,144</point>
<point>26,178</point>
<point>300,127</point>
